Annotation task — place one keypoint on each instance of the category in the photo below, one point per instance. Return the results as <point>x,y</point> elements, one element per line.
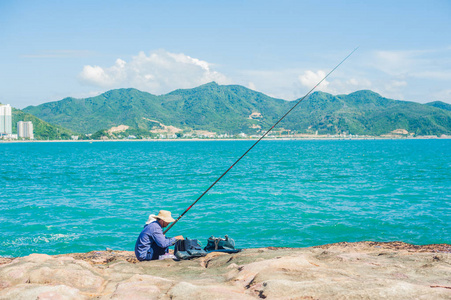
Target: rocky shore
<point>363,270</point>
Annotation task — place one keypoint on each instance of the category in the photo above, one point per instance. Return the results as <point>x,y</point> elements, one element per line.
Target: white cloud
<point>336,85</point>
<point>252,86</point>
<point>108,77</point>
<point>159,72</point>
<point>291,84</point>
<point>310,78</point>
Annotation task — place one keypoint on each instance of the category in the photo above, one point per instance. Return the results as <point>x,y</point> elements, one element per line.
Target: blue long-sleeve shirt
<point>151,242</point>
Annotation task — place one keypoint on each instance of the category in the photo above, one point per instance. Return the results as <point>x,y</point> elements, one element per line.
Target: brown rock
<point>41,292</point>
<point>142,287</point>
<point>185,290</point>
<point>364,270</point>
<point>45,269</point>
<point>67,275</point>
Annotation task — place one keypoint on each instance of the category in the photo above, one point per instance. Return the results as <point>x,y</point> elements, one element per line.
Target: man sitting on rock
<point>151,242</point>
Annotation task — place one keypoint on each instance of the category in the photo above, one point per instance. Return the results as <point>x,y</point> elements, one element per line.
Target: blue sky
<point>55,49</point>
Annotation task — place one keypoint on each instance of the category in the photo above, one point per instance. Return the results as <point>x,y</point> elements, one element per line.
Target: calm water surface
<point>77,197</point>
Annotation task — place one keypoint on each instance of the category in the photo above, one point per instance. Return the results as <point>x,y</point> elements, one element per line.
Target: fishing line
<point>297,103</point>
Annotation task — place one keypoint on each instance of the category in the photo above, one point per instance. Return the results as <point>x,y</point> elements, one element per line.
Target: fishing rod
<point>294,106</point>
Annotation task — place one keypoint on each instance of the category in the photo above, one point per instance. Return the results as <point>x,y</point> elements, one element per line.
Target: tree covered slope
<point>233,109</point>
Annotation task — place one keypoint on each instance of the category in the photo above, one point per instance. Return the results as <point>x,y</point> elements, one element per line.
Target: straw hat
<point>163,215</point>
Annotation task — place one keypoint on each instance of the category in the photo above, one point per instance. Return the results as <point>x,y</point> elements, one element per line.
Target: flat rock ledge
<point>363,270</point>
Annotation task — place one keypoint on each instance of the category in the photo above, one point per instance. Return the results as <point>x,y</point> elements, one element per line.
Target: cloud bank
<point>159,72</point>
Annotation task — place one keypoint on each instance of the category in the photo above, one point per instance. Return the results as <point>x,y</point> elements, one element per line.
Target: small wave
<point>48,238</point>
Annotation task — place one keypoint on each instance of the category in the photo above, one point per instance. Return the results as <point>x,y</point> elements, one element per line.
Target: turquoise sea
<point>78,197</point>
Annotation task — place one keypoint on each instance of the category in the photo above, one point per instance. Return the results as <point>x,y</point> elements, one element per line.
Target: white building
<point>5,120</point>
<point>25,129</point>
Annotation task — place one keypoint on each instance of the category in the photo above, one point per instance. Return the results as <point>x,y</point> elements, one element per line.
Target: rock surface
<point>364,270</point>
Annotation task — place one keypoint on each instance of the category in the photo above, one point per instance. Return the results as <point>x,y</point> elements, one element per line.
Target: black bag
<point>225,244</point>
<point>187,249</point>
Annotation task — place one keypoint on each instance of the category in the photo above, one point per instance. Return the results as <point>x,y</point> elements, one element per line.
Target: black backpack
<point>225,244</point>
<point>187,249</point>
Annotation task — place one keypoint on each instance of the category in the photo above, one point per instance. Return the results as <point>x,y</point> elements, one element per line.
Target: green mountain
<point>233,109</point>
<point>208,107</point>
<point>41,129</point>
<point>368,113</point>
<point>124,106</point>
<point>440,104</point>
<point>222,108</point>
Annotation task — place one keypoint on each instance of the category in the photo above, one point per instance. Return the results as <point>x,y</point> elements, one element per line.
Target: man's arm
<point>162,241</point>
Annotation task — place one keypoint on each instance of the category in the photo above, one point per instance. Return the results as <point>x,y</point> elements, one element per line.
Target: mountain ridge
<point>234,109</point>
<point>440,104</point>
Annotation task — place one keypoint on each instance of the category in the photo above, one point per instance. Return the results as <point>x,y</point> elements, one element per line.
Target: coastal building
<point>25,130</point>
<point>5,120</point>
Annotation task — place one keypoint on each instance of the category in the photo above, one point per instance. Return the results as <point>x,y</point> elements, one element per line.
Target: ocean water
<point>78,197</point>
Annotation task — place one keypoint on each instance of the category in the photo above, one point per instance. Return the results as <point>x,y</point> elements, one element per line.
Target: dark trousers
<point>157,251</point>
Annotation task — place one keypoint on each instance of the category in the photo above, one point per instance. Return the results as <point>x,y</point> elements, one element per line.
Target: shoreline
<point>394,245</point>
<point>232,139</point>
<point>359,270</point>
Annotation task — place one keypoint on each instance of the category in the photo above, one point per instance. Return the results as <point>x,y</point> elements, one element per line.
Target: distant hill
<point>124,106</point>
<point>368,113</point>
<point>440,104</point>
<point>233,109</point>
<point>41,129</point>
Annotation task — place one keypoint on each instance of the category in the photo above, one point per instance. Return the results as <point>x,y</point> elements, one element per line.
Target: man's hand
<point>179,237</point>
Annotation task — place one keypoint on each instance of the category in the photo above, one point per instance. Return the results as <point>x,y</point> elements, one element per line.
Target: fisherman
<point>151,242</point>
